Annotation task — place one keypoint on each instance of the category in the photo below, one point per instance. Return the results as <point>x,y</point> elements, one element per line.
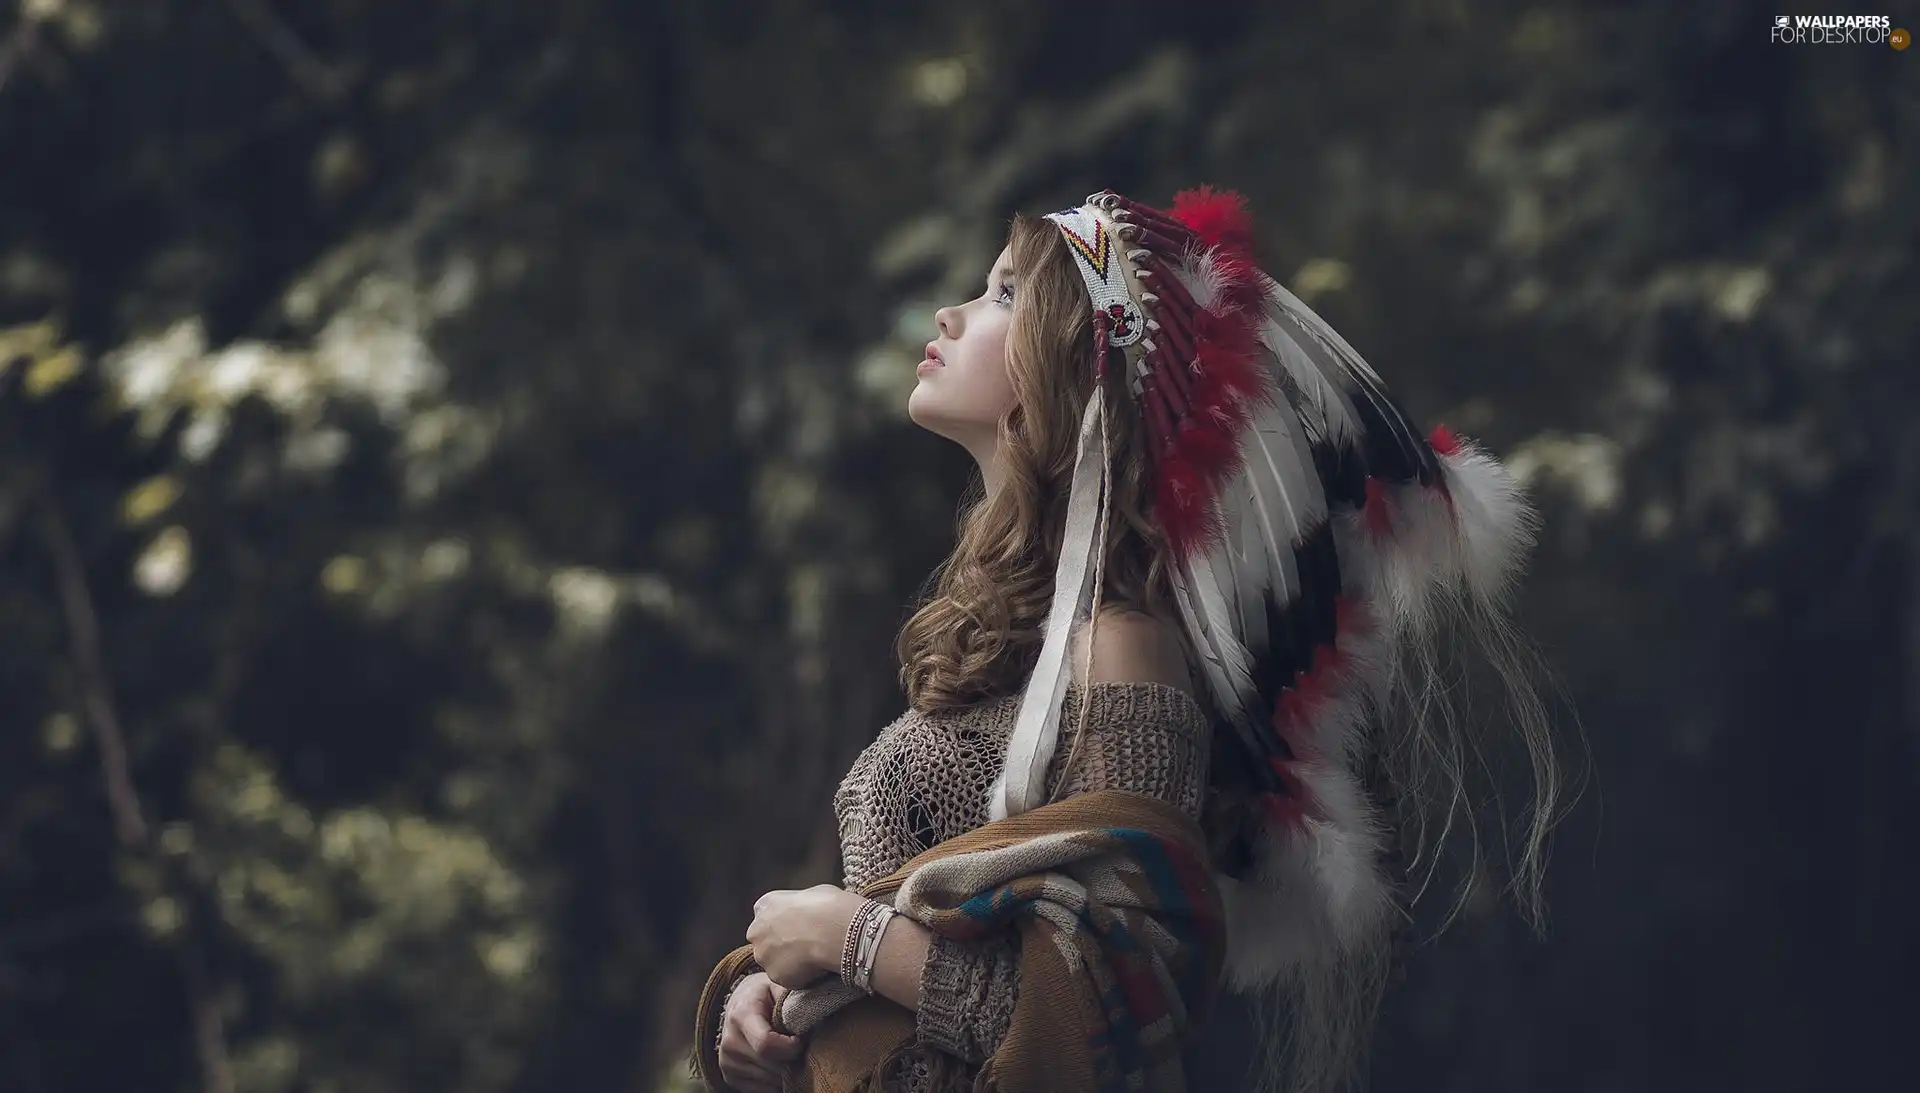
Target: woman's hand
<point>797,936</point>
<point>752,1055</point>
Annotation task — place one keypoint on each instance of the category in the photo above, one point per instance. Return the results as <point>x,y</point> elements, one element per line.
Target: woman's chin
<point>922,412</point>
<point>923,407</point>
<point>932,409</point>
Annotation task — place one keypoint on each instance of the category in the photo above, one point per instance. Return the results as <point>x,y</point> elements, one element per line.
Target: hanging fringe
<point>1036,733</point>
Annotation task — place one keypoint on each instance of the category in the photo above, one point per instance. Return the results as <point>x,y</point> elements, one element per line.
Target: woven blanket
<point>1122,941</point>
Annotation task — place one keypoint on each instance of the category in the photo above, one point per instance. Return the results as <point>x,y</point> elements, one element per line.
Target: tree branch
<point>305,67</point>
<point>83,630</point>
<point>123,800</point>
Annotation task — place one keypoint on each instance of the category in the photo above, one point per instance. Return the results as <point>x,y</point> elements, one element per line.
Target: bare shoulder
<point>1132,647</point>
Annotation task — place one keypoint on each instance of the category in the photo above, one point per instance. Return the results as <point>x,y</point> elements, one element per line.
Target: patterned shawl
<point>1122,941</point>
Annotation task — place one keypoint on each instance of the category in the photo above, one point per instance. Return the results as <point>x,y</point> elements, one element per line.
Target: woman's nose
<point>948,320</point>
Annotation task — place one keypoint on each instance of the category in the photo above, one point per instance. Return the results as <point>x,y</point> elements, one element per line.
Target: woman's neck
<point>991,474</point>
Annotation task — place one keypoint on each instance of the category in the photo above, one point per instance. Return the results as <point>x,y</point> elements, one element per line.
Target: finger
<point>758,1038</point>
<point>747,1082</point>
<point>773,1047</point>
<point>740,1056</point>
<point>747,1076</point>
<point>761,1039</point>
<point>766,1044</point>
<point>770,1079</point>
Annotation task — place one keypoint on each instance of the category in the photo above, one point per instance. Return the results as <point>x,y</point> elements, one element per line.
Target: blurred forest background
<point>456,499</point>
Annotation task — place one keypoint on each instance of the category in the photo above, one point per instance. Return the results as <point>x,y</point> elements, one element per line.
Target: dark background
<point>456,499</point>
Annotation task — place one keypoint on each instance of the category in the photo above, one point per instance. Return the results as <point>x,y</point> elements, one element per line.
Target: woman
<point>1188,631</point>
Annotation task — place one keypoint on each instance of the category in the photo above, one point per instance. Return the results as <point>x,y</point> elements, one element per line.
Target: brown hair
<point>977,635</point>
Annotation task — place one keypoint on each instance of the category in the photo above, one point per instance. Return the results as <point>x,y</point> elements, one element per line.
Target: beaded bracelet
<point>856,931</point>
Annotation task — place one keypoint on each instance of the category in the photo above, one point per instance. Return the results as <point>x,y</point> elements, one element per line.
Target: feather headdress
<point>1315,536</point>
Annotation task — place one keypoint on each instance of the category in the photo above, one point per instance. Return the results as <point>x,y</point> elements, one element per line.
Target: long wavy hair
<point>977,634</point>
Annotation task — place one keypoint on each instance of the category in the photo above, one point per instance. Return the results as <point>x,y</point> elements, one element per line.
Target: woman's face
<point>964,388</point>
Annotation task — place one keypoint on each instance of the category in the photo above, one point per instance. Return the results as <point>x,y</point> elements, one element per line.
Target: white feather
<point>1256,574</point>
<point>1346,853</point>
<point>1318,375</point>
<point>1347,372</point>
<point>1276,918</point>
<point>1213,625</point>
<point>1397,582</point>
<point>1317,328</point>
<point>1495,524</point>
<point>1200,275</point>
<point>1281,502</point>
<point>1316,895</point>
<point>1277,443</point>
<point>1261,522</point>
<point>1212,658</point>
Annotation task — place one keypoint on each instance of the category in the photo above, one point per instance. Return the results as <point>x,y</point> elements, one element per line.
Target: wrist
<point>830,942</point>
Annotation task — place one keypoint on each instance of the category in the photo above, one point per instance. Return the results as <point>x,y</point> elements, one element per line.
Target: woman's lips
<point>933,360</point>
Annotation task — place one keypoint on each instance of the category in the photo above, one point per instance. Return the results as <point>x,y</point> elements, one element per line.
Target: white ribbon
<point>1036,734</point>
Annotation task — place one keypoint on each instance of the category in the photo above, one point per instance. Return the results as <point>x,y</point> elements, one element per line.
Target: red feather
<point>1219,217</point>
<point>1227,382</point>
<point>1242,290</point>
<point>1182,502</point>
<point>1209,451</point>
<point>1443,441</point>
<point>1227,352</point>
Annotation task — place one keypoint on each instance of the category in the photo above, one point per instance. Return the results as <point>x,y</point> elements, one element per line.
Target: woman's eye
<point>1005,296</point>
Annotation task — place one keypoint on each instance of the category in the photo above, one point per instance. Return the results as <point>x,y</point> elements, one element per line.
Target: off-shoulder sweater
<point>925,779</point>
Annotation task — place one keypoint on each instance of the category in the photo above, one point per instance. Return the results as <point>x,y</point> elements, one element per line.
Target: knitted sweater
<point>925,780</point>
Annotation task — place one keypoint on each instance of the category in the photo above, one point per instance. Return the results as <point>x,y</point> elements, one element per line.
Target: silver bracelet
<point>868,937</point>
<point>867,928</point>
<point>864,974</point>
